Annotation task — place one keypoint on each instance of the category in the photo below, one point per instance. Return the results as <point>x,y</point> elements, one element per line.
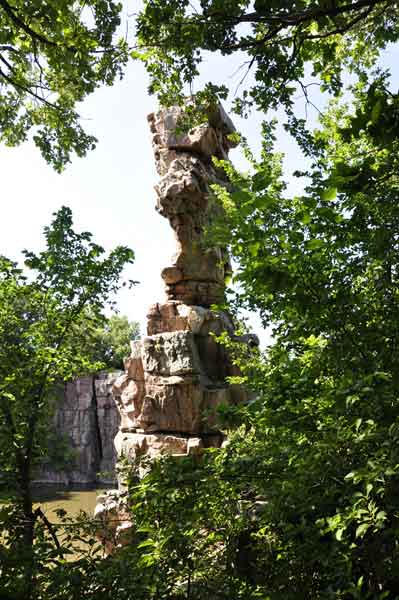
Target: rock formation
<point>86,421</point>
<point>185,165</point>
<point>176,376</point>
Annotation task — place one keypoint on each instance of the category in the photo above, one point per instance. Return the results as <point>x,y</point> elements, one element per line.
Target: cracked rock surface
<point>176,376</point>
<point>184,162</point>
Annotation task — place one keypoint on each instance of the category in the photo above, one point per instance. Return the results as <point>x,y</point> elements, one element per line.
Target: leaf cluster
<point>107,342</point>
<point>52,55</point>
<point>279,39</point>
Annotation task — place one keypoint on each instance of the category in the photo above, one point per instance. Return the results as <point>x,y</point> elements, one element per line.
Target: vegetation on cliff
<point>108,343</point>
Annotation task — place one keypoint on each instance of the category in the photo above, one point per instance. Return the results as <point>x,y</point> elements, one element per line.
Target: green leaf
<point>329,194</point>
<point>362,529</point>
<point>340,533</point>
<point>314,244</point>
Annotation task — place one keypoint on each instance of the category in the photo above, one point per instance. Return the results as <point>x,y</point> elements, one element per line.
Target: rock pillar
<point>176,376</point>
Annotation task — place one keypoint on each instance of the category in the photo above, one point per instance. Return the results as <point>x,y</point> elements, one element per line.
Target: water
<point>50,498</point>
<point>73,501</point>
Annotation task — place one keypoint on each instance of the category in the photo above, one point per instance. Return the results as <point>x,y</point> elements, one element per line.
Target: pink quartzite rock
<point>185,164</point>
<point>182,378</point>
<point>176,376</point>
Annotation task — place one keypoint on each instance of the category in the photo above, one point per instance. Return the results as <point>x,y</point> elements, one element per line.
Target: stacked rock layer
<point>175,377</point>
<point>185,165</point>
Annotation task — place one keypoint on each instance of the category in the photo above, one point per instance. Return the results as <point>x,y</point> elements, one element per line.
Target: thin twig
<point>39,513</point>
<point>27,90</point>
<point>251,63</point>
<point>306,96</point>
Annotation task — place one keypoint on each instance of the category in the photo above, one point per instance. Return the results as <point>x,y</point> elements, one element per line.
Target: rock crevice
<point>85,423</point>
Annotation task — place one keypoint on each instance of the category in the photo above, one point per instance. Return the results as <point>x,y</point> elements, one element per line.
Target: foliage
<point>302,503</point>
<point>39,349</point>
<point>114,340</point>
<point>109,342</point>
<point>64,553</point>
<point>191,517</point>
<point>319,447</point>
<point>52,55</point>
<point>277,40</point>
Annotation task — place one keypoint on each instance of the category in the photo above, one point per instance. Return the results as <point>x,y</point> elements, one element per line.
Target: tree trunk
<point>27,526</point>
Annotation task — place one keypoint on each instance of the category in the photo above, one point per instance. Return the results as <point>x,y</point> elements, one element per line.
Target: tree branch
<point>245,45</point>
<point>306,96</point>
<point>305,16</point>
<point>39,513</point>
<point>9,48</point>
<point>20,23</point>
<point>26,89</point>
<point>5,61</point>
<point>338,31</point>
<point>343,29</point>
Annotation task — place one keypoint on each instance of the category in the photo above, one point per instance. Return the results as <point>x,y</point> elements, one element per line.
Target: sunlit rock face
<point>175,377</point>
<point>184,162</point>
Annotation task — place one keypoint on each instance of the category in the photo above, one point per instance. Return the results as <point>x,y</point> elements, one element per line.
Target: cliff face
<point>86,421</point>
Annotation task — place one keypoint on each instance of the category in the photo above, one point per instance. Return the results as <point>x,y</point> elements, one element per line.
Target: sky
<point>111,190</point>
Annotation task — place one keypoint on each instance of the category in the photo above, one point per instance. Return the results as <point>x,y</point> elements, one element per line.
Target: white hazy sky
<point>110,191</point>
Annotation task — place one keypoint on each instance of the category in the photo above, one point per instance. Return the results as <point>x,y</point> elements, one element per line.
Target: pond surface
<point>51,498</point>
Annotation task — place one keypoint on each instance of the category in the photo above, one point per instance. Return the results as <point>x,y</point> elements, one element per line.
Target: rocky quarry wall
<point>85,422</point>
<point>177,373</point>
